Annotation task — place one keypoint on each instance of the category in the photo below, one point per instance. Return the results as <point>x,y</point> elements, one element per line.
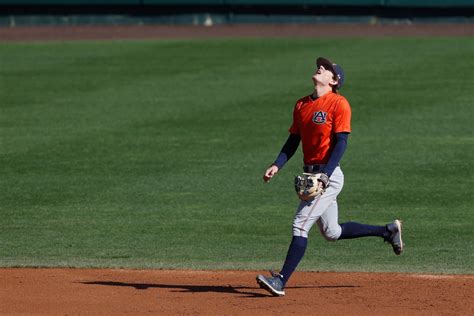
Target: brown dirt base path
<point>123,32</point>
<point>86,291</point>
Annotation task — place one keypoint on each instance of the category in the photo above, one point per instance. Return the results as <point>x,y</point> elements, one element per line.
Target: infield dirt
<point>164,292</point>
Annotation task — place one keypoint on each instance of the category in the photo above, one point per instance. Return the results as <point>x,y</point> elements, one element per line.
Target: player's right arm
<point>288,150</point>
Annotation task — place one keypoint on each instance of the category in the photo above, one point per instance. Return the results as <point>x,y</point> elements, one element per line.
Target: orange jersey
<point>317,121</point>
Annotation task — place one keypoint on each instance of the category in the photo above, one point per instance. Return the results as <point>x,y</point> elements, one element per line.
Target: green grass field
<point>149,154</point>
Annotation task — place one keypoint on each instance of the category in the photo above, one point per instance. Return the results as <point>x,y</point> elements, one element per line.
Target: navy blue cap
<point>334,68</point>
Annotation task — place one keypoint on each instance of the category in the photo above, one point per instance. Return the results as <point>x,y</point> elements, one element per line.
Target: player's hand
<point>319,186</point>
<point>270,172</point>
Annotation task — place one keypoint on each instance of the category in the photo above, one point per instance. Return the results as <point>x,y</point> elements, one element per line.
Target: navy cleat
<point>274,285</point>
<point>395,238</point>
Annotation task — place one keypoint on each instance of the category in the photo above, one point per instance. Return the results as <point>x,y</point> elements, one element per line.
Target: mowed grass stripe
<point>150,154</point>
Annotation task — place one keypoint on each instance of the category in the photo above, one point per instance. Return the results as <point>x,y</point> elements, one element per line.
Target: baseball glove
<point>307,186</point>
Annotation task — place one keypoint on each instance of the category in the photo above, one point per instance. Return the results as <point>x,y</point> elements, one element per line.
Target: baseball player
<point>322,123</point>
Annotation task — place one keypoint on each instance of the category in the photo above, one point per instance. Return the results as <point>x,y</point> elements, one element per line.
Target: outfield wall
<point>383,3</point>
<point>210,12</point>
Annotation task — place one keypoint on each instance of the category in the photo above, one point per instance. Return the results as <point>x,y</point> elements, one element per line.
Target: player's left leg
<point>391,233</point>
<point>328,223</point>
<point>332,231</point>
<point>352,230</point>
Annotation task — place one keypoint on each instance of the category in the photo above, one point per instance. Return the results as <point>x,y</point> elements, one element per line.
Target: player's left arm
<point>336,154</point>
<point>342,129</point>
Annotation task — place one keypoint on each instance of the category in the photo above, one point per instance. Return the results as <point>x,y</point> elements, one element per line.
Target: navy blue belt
<point>313,168</point>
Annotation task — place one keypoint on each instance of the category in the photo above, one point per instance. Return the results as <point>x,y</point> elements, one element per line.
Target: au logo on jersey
<point>319,117</point>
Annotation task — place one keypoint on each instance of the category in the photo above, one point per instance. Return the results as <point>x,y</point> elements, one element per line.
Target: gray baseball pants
<point>322,210</point>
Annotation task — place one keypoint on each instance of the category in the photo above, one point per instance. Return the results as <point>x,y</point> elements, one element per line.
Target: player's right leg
<point>307,213</point>
<point>273,284</point>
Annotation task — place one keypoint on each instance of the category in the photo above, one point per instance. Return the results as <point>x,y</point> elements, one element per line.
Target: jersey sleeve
<point>342,117</point>
<point>295,128</point>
